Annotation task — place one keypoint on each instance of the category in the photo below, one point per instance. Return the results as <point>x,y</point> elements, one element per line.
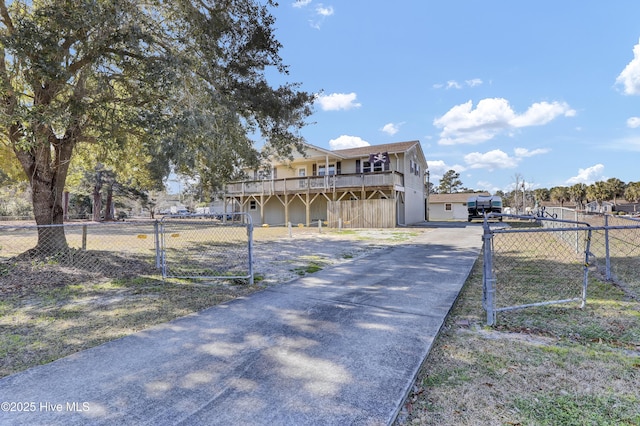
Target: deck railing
<point>330,183</point>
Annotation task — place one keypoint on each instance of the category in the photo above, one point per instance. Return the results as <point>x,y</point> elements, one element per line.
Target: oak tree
<point>185,80</point>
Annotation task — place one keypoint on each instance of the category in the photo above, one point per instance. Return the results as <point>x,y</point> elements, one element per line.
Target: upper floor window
<point>377,167</point>
<point>323,170</point>
<point>265,174</point>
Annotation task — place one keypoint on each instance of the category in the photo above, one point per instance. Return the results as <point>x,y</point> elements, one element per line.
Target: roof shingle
<point>369,149</point>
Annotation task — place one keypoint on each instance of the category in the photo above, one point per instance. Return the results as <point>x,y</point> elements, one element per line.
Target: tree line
<point>612,190</point>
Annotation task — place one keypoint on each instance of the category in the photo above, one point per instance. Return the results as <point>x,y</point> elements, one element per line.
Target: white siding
<point>437,211</point>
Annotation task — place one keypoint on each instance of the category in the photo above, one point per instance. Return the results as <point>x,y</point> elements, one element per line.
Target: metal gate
<point>527,267</point>
<point>212,246</point>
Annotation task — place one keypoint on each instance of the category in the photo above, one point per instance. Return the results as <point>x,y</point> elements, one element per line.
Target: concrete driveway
<point>342,346</point>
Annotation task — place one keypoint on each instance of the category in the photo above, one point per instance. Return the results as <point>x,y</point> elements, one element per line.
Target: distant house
<point>450,206</point>
<point>376,186</point>
<point>596,207</point>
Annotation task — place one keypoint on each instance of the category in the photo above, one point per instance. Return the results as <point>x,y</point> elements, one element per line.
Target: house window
<point>377,167</point>
<point>302,172</point>
<point>253,205</point>
<point>447,207</point>
<point>323,171</point>
<point>266,174</point>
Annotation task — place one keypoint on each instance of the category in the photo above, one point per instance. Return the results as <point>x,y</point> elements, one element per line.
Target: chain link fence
<point>552,261</point>
<point>206,247</point>
<point>197,247</point>
<point>76,253</point>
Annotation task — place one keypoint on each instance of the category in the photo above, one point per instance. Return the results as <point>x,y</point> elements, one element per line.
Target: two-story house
<point>376,186</point>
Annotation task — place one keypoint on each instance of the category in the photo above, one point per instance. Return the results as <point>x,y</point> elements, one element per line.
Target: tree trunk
<point>49,214</point>
<point>65,206</point>
<point>46,164</point>
<point>108,212</point>
<point>97,203</point>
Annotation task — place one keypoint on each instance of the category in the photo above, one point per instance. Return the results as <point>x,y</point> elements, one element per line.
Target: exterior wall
<point>318,209</point>
<point>458,211</point>
<point>414,206</point>
<point>414,187</point>
<point>297,212</point>
<point>273,212</point>
<point>347,166</point>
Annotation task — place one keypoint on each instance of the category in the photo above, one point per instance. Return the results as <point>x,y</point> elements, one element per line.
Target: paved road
<point>342,346</point>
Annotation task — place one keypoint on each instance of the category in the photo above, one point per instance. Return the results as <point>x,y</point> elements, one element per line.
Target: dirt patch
<point>282,259</point>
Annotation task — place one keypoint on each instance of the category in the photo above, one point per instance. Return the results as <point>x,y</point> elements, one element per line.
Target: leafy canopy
<point>181,82</point>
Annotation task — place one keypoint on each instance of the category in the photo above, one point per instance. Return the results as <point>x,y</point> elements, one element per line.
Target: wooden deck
<point>316,184</point>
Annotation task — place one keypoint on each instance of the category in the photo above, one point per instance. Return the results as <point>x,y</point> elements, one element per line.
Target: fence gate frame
<point>235,219</point>
<point>488,276</point>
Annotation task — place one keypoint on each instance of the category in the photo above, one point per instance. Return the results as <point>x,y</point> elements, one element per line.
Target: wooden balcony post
<point>286,207</point>
<point>308,210</point>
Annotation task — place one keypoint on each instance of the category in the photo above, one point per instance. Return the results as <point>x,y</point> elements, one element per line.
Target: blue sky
<point>548,91</point>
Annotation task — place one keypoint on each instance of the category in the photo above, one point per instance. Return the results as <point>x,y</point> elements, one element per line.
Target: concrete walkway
<point>339,347</point>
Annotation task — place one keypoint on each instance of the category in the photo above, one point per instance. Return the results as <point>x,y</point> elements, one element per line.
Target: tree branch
<point>6,19</point>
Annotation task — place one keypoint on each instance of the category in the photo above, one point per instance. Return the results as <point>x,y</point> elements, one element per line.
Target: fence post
<point>488,280</point>
<point>585,281</point>
<point>340,223</point>
<point>319,226</point>
<point>250,248</point>
<point>84,237</point>
<point>606,248</point>
<point>156,234</point>
<point>289,227</point>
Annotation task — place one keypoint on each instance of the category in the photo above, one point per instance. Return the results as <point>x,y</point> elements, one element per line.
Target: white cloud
<point>321,13</point>
<point>498,159</point>
<point>630,75</point>
<point>338,101</point>
<point>524,152</point>
<point>463,124</point>
<point>452,84</point>
<point>541,113</point>
<point>588,175</point>
<point>437,169</point>
<point>633,122</point>
<point>346,141</point>
<point>300,3</point>
<point>491,160</point>
<point>324,11</point>
<point>391,128</point>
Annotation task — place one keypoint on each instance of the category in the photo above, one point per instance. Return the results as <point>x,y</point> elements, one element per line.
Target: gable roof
<point>321,151</point>
<point>391,148</point>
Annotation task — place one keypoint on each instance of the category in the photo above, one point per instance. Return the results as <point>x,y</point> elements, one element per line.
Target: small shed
<point>450,206</point>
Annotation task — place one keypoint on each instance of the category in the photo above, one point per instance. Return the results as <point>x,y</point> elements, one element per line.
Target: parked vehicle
<point>478,205</point>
